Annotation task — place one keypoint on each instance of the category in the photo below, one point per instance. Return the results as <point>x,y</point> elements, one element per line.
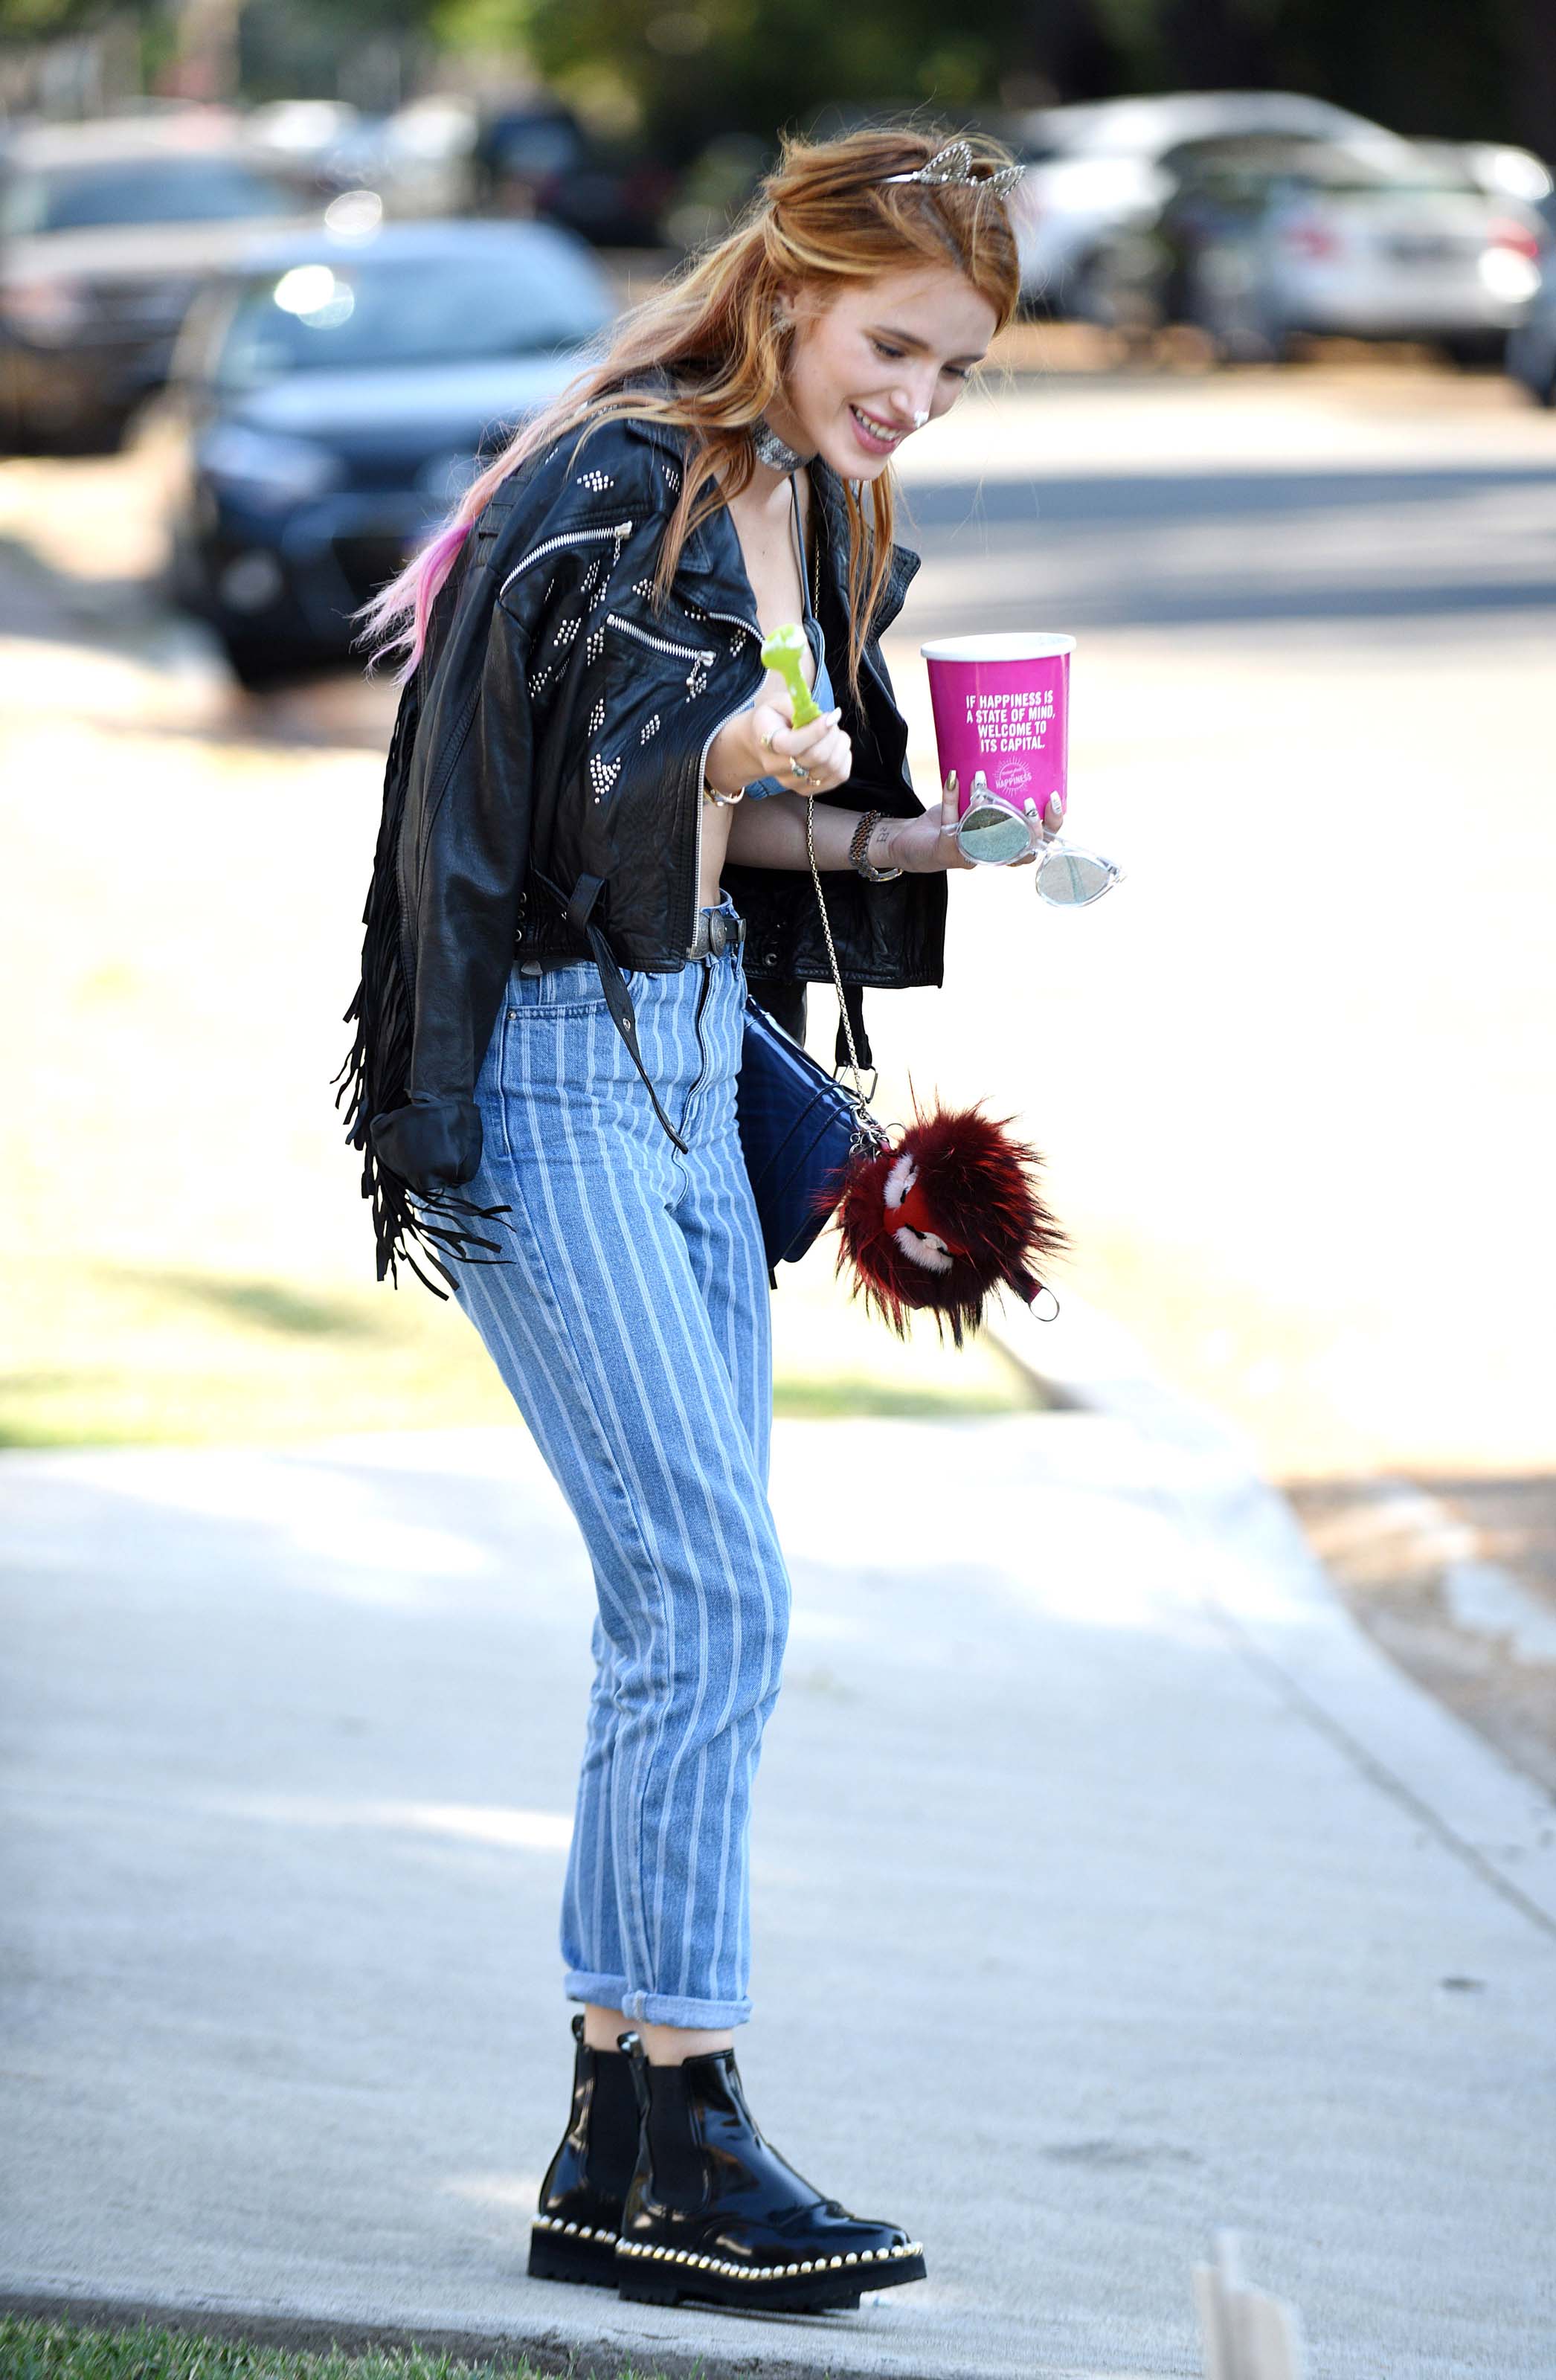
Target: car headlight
<point>1508,274</point>
<point>267,471</point>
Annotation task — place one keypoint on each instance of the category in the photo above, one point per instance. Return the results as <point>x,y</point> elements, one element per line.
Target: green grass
<point>839,1398</point>
<point>100,1354</point>
<point>32,2349</point>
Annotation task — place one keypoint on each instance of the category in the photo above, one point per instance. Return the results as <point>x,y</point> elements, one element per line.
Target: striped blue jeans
<point>631,1324</point>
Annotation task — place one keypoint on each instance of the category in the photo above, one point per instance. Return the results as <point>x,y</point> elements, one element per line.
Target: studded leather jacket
<point>543,782</point>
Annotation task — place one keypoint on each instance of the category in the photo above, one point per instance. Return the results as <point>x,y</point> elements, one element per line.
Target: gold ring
<point>766,741</point>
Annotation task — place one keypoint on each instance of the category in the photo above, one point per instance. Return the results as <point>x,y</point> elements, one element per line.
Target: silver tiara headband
<point>953,163</point>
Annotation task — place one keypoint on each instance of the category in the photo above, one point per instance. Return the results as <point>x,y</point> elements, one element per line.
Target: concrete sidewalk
<point>1109,1888</point>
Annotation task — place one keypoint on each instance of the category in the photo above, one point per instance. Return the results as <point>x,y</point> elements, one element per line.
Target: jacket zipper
<point>735,621</point>
<point>703,653</point>
<point>703,989</point>
<point>569,537</point>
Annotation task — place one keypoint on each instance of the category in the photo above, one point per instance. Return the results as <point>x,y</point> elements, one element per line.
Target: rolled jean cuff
<point>655,2008</point>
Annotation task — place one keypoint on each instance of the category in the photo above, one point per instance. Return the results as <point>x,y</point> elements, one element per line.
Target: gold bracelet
<point>724,801</point>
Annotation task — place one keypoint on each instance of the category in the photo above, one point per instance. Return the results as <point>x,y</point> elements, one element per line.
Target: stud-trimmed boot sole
<point>814,2285</point>
<point>572,2252</point>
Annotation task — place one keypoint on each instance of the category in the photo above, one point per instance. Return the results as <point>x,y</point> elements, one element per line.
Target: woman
<point>594,834</point>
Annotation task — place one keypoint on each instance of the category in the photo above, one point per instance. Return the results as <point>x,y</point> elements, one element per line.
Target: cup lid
<point>1032,645</point>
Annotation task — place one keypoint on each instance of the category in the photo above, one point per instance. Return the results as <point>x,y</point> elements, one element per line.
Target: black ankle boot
<point>573,2236</point>
<point>714,2213</point>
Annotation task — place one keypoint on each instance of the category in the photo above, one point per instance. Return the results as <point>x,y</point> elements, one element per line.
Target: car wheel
<point>256,666</point>
<point>1475,350</point>
<point>1092,292</point>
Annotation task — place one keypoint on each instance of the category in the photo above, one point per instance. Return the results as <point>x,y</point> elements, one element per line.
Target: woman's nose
<point>911,404</point>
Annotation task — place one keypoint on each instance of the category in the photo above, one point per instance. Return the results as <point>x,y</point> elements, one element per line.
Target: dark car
<point>538,160</point>
<point>106,232</point>
<point>330,401</point>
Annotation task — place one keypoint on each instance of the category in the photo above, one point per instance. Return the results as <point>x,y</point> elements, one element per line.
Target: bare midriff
<point>766,532</point>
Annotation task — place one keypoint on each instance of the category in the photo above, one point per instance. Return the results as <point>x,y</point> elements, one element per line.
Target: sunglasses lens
<point>1070,878</point>
<point>994,836</point>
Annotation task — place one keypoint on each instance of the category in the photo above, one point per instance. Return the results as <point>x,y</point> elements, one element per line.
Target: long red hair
<point>824,218</point>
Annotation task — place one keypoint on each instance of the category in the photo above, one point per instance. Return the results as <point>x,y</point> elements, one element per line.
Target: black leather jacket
<point>544,778</point>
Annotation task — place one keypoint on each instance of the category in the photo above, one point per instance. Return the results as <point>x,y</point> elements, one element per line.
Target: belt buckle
<point>717,933</point>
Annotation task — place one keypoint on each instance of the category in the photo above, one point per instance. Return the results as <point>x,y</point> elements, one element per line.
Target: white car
<point>1094,171</point>
<point>1340,244</point>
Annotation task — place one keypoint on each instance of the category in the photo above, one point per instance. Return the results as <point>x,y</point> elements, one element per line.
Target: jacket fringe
<point>375,1076</point>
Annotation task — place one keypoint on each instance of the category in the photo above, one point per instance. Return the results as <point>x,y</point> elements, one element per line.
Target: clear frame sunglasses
<point>994,832</point>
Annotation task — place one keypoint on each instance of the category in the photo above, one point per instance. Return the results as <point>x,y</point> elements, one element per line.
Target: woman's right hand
<point>738,756</point>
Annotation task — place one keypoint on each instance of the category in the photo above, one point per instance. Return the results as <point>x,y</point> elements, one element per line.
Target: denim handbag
<point>799,1130</point>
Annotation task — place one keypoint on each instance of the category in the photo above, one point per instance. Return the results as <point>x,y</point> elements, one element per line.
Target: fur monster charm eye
<point>943,1216</point>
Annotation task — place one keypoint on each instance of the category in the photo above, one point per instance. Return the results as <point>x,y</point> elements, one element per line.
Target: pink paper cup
<point>1001,705</point>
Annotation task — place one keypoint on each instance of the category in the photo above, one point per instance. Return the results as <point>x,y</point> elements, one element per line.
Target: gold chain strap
<point>854,1066</point>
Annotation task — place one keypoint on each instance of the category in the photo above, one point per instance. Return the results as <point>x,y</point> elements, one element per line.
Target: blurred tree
<point>1437,66</point>
<point>36,20</point>
<point>679,71</point>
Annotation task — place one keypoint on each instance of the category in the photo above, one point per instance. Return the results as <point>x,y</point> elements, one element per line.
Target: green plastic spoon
<point>780,652</point>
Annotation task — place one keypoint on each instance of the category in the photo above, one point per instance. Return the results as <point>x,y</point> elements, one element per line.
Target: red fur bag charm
<point>941,1216</point>
<point>937,1219</point>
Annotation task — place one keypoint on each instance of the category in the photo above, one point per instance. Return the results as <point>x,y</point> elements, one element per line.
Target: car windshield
<point>442,309</point>
<point>140,190</point>
<point>1428,187</point>
<point>1248,171</point>
<point>1344,174</point>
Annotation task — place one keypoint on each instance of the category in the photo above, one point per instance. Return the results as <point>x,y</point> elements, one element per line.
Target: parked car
<point>1531,349</point>
<point>537,159</point>
<point>1094,171</point>
<point>331,398</point>
<point>417,158</point>
<point>106,231</point>
<point>1263,241</point>
<point>1492,167</point>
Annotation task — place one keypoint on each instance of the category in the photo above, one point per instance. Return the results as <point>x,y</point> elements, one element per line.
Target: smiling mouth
<point>877,435</point>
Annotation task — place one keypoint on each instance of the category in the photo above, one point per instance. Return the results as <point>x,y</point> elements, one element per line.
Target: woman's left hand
<point>923,846</point>
<point>928,845</point>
